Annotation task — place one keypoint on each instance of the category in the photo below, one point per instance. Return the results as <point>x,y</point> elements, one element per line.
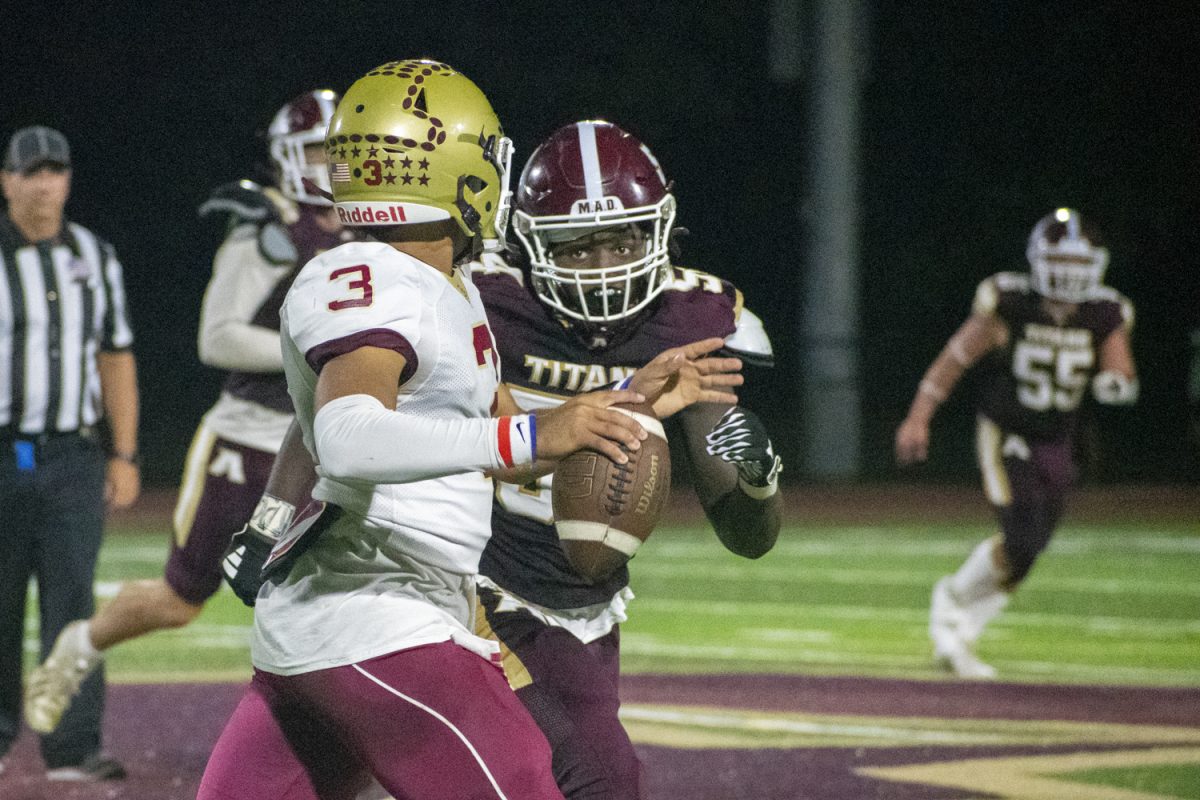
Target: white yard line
<point>774,612</point>
<point>752,724</point>
<point>632,644</point>
<point>875,577</point>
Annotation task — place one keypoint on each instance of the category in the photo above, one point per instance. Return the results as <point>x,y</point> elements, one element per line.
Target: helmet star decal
<point>409,165</point>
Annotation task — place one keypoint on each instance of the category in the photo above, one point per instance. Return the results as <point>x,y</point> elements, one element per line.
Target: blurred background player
<point>272,233</point>
<point>1040,339</point>
<point>593,296</point>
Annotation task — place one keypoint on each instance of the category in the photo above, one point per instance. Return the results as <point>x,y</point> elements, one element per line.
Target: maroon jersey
<point>1035,384</point>
<point>269,389</point>
<point>544,363</point>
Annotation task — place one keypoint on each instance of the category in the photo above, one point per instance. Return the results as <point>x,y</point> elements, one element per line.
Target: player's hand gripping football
<point>680,376</point>
<point>740,438</point>
<point>249,548</point>
<point>589,421</point>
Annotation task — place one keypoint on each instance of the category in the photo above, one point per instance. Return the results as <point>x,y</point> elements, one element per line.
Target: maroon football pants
<point>221,486</point>
<point>1030,482</point>
<point>435,722</point>
<point>574,700</point>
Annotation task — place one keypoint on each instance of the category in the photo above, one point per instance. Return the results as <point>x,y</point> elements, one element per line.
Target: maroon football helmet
<point>303,121</point>
<point>589,176</point>
<point>1067,257</point>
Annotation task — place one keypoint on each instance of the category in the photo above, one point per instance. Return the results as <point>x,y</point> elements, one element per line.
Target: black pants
<point>51,523</point>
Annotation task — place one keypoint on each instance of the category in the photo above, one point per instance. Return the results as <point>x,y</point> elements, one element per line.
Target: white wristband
<point>1114,389</point>
<point>759,492</point>
<point>516,439</point>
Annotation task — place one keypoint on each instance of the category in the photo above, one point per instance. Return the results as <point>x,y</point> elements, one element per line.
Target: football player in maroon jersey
<point>598,300</point>
<point>1039,340</point>
<point>272,232</point>
<point>591,296</point>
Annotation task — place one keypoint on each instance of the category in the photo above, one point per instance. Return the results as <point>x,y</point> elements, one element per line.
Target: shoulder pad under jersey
<point>247,203</point>
<point>987,294</point>
<point>750,342</point>
<point>243,201</point>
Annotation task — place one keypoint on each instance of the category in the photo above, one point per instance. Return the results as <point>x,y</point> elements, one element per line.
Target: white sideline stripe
<point>874,577</point>
<point>441,719</point>
<point>918,664</point>
<point>884,541</point>
<point>137,553</point>
<point>771,725</point>
<point>1011,619</point>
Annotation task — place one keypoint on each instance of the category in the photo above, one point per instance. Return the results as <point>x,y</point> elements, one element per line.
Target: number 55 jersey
<point>1034,385</point>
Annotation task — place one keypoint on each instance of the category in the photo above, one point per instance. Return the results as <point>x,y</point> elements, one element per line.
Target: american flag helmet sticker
<point>341,172</point>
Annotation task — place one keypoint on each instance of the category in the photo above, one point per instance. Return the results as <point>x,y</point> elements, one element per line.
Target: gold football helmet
<point>416,141</point>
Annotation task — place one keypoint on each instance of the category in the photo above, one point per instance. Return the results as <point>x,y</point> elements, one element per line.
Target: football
<point>604,511</point>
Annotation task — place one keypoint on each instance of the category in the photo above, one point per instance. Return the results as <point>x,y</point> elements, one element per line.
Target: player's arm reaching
<point>289,487</point>
<point>1116,383</point>
<point>357,430</point>
<point>249,264</point>
<point>673,380</point>
<point>979,335</point>
<point>735,471</point>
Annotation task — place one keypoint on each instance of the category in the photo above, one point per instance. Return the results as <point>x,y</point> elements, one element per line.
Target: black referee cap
<point>30,147</point>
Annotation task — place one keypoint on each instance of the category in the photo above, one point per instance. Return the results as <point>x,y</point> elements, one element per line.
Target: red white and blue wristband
<point>516,439</point>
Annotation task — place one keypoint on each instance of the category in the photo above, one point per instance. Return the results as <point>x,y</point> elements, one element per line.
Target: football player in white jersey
<point>366,663</point>
<point>272,232</point>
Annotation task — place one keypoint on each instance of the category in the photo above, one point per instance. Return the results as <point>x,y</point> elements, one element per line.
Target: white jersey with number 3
<point>369,294</point>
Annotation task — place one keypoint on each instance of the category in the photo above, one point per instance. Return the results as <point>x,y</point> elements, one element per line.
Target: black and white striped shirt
<point>61,303</point>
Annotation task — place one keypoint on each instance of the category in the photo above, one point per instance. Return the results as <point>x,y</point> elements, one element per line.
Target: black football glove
<point>244,559</point>
<point>249,548</point>
<point>740,438</point>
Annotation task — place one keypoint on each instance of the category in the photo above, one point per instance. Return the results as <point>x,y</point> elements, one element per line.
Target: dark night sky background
<point>978,119</point>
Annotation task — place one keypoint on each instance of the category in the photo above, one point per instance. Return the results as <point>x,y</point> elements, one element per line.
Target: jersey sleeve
<point>987,297</point>
<point>118,332</point>
<point>1127,315</point>
<point>241,282</point>
<point>337,305</point>
<point>750,341</point>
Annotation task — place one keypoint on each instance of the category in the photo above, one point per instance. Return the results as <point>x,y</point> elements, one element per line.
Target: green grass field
<point>1111,604</point>
<point>1116,602</point>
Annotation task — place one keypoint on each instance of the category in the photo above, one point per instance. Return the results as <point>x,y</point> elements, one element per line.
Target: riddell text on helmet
<point>372,216</point>
<point>382,212</point>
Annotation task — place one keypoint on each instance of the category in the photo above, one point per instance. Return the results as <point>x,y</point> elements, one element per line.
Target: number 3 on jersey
<point>361,285</point>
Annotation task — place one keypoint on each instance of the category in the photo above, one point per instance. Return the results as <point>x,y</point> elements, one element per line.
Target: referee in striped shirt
<point>68,429</point>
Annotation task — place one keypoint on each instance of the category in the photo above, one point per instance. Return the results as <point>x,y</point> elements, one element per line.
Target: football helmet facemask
<point>1066,256</point>
<point>416,141</point>
<point>591,179</point>
<point>303,121</point>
